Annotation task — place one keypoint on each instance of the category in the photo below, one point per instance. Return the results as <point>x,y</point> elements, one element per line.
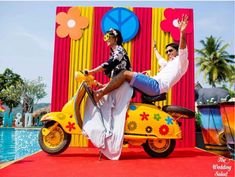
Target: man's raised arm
<point>182,26</point>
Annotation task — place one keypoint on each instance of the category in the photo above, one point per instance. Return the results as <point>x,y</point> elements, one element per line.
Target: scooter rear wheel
<point>159,147</point>
<point>56,142</point>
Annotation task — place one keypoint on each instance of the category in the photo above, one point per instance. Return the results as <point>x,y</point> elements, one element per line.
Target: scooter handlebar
<point>89,79</point>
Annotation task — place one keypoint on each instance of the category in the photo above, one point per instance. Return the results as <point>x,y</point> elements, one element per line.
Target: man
<point>170,73</point>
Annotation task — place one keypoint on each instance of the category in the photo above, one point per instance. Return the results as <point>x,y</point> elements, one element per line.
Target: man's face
<point>171,52</point>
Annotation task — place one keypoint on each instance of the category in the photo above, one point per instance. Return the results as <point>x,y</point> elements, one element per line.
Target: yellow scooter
<point>146,124</point>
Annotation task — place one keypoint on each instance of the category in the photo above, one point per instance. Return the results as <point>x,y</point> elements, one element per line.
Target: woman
<point>105,127</point>
<point>118,60</point>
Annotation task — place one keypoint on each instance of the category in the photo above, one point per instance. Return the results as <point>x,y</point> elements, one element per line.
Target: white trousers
<point>105,128</point>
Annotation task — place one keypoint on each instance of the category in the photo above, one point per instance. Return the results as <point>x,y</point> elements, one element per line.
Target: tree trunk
<point>10,112</point>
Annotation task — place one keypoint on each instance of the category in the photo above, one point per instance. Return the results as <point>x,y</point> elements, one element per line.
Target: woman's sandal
<point>100,155</point>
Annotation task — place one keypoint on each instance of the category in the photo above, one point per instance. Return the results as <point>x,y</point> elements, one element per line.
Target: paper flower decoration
<point>170,24</point>
<point>71,23</point>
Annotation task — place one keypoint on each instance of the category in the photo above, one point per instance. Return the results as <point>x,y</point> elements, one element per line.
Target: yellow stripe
<point>80,59</point>
<point>162,39</point>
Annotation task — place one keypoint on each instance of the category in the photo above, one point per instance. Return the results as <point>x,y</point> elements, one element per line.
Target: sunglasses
<point>169,51</point>
<point>108,36</point>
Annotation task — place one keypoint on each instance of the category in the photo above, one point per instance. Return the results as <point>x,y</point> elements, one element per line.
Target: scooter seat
<point>150,99</point>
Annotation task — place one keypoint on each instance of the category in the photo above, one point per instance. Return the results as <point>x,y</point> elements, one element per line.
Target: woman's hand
<point>99,85</point>
<point>93,71</point>
<point>86,72</point>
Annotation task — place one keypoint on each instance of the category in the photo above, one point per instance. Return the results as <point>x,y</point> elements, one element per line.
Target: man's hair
<point>173,45</point>
<point>116,33</point>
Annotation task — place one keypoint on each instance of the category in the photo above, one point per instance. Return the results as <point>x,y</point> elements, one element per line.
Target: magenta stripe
<point>141,44</point>
<point>60,79</point>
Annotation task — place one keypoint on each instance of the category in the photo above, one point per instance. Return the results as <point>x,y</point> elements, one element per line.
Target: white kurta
<point>106,131</point>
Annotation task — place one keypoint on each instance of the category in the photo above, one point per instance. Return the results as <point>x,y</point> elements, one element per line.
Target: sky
<point>27,31</point>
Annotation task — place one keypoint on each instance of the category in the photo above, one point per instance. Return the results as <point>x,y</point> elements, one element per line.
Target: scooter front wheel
<point>159,147</point>
<point>56,141</point>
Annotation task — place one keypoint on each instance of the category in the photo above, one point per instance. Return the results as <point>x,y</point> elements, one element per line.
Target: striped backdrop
<point>90,51</point>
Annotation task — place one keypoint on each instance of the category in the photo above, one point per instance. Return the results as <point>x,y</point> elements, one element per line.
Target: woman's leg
<point>116,82</point>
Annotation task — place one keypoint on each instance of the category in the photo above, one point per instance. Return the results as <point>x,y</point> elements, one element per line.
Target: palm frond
<point>214,61</point>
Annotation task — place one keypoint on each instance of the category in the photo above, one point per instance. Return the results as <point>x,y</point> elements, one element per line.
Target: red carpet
<point>79,162</point>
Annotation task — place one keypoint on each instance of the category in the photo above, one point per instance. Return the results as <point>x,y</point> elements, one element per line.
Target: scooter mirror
<point>79,76</point>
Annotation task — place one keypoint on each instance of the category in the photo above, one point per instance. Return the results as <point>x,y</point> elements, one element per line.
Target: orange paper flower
<point>71,23</point>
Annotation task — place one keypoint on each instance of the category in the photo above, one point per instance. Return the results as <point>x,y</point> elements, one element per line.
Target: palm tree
<point>214,61</point>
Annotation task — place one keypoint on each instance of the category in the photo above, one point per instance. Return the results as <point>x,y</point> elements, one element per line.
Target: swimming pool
<point>16,143</point>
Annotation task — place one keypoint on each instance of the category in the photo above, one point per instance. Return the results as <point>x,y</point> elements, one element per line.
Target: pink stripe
<point>183,94</point>
<point>60,79</point>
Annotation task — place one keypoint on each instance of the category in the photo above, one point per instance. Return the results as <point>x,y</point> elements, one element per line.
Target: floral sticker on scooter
<point>157,117</point>
<point>132,125</point>
<point>148,129</point>
<point>169,121</point>
<point>163,130</point>
<point>132,107</point>
<point>70,126</point>
<point>144,116</point>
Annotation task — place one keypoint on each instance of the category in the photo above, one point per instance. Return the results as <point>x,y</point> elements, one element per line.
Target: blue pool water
<point>17,143</point>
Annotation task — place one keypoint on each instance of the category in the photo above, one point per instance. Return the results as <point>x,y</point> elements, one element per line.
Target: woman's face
<point>171,52</point>
<point>112,41</point>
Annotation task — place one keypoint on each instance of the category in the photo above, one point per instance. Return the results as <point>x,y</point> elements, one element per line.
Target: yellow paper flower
<point>71,23</point>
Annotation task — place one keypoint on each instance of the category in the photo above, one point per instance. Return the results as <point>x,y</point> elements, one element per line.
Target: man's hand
<point>183,23</point>
<point>182,26</point>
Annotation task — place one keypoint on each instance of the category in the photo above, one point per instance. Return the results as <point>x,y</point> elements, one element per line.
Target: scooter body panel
<point>147,121</point>
<point>67,117</point>
<point>67,121</point>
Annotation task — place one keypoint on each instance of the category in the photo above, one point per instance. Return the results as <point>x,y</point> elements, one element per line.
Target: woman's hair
<point>173,45</point>
<point>117,34</point>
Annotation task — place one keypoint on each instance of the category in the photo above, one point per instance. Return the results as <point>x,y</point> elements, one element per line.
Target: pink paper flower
<point>170,24</point>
